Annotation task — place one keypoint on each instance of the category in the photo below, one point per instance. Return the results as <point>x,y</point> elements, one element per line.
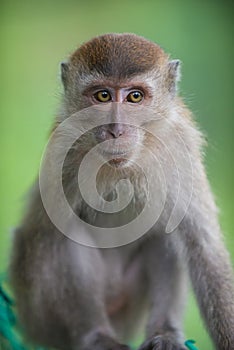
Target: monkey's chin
<point>118,162</point>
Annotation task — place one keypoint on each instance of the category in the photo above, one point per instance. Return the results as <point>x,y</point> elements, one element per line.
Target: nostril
<point>115,134</point>
<point>116,130</point>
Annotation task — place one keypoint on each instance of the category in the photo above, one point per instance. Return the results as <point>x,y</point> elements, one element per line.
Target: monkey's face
<point>118,115</point>
<point>127,73</point>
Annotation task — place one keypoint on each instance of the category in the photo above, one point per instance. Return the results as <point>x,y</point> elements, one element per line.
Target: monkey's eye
<point>135,97</point>
<point>103,96</point>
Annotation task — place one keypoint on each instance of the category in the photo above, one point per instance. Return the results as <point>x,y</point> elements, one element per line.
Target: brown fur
<point>130,55</point>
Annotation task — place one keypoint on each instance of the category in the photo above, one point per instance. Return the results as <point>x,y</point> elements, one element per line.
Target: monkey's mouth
<point>118,158</point>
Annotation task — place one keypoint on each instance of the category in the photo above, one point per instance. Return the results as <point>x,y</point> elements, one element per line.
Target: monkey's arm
<point>196,243</point>
<point>210,269</point>
<point>58,286</point>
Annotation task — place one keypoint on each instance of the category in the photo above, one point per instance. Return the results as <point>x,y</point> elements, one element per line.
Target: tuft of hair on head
<point>118,55</point>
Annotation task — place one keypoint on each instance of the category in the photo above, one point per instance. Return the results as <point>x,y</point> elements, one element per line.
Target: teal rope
<point>190,344</point>
<point>7,322</point>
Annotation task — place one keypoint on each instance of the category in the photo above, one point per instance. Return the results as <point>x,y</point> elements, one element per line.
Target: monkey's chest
<point>122,282</point>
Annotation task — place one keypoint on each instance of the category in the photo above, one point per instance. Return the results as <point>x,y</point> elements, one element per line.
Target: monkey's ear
<point>173,75</point>
<point>64,73</point>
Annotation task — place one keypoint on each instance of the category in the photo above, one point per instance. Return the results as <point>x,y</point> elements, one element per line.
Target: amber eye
<point>135,97</point>
<point>103,96</point>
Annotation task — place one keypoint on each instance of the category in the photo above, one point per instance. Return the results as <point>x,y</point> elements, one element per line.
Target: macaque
<point>75,291</point>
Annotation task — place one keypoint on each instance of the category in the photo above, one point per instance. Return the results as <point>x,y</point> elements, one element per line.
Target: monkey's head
<point>120,70</point>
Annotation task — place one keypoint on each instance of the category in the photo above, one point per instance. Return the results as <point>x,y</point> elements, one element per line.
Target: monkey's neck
<point>107,184</point>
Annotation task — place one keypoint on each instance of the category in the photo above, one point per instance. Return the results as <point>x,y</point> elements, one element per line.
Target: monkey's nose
<point>116,130</point>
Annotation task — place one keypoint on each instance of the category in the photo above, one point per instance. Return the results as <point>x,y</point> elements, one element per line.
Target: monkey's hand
<point>162,342</point>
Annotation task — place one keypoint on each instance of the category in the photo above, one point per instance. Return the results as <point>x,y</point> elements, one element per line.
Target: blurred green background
<point>37,35</point>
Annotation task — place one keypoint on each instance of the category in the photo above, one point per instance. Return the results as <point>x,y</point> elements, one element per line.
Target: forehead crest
<point>118,55</point>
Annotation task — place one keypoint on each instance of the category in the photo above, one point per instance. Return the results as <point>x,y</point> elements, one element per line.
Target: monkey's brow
<point>92,87</point>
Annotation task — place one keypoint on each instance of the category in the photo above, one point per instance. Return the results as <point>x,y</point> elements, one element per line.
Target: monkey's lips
<point>118,158</point>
